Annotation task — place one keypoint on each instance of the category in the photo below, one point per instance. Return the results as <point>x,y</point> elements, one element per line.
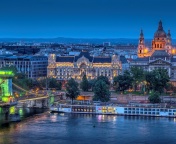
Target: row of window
<point>83,109</point>
<point>159,45</point>
<point>149,109</point>
<point>137,112</point>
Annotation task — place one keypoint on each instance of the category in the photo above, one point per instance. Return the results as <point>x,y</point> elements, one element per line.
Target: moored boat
<point>132,109</point>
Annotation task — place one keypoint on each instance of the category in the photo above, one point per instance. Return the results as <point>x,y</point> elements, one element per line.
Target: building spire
<point>141,34</point>
<point>160,26</point>
<point>141,38</point>
<point>169,37</point>
<point>169,34</point>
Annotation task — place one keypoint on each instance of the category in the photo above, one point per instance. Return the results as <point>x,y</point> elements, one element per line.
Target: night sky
<point>85,18</point>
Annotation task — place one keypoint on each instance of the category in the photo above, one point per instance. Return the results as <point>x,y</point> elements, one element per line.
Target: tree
<point>161,79</point>
<point>138,76</point>
<point>157,79</point>
<point>170,88</point>
<point>149,77</point>
<point>123,82</point>
<point>84,84</point>
<point>154,97</point>
<point>10,68</point>
<point>20,76</point>
<point>53,83</point>
<point>92,83</point>
<point>101,91</point>
<point>72,90</point>
<point>50,83</point>
<point>104,78</point>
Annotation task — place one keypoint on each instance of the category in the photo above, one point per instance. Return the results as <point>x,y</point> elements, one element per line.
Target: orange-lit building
<point>161,54</point>
<point>66,67</point>
<point>161,41</point>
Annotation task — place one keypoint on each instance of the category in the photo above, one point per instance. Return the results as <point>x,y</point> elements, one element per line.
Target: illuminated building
<point>65,67</point>
<point>160,55</point>
<point>161,41</point>
<point>32,66</point>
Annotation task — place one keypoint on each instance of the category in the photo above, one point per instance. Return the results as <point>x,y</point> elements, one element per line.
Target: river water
<point>54,128</point>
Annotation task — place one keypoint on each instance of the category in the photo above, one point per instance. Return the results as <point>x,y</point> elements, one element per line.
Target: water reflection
<point>23,112</point>
<point>78,128</point>
<point>53,117</point>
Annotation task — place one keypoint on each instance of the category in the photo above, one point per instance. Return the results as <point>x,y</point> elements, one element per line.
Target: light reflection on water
<point>23,112</point>
<point>86,128</point>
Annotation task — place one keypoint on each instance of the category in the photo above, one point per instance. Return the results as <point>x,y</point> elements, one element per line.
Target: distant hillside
<point>78,40</point>
<point>71,40</point>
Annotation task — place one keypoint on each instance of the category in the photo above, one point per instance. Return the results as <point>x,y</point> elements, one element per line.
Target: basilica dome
<point>160,33</point>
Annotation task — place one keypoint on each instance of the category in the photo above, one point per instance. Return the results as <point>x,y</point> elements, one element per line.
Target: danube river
<point>54,128</point>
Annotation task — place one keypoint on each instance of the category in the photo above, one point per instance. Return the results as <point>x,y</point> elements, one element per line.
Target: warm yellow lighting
<point>173,51</point>
<point>145,50</point>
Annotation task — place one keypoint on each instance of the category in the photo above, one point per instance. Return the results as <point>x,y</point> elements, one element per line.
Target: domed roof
<point>160,33</point>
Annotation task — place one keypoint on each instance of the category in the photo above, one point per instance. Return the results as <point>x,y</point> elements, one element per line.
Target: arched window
<point>160,45</point>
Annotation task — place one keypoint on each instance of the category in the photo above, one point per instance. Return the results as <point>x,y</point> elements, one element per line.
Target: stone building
<point>160,55</point>
<point>65,67</point>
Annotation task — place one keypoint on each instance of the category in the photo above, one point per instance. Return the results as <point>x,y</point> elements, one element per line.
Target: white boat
<point>134,110</point>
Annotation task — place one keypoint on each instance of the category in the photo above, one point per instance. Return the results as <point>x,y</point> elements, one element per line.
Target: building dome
<point>160,33</point>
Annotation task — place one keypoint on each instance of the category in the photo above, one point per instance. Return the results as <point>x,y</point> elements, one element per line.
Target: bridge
<point>8,101</point>
<point>6,97</point>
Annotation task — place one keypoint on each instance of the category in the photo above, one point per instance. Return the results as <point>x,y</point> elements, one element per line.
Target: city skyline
<point>85,19</point>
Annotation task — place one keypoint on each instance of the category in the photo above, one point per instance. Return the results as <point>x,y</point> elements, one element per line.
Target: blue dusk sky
<point>85,18</point>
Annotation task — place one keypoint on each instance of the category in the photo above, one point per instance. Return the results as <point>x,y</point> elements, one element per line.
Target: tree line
<point>154,83</point>
<point>99,86</point>
<point>27,83</point>
<point>151,82</point>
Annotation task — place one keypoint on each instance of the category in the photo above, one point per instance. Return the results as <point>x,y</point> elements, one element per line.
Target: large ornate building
<point>65,67</point>
<point>161,41</point>
<point>160,55</point>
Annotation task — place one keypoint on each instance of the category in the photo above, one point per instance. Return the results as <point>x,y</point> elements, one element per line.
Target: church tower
<point>160,38</point>
<point>141,45</point>
<point>169,42</point>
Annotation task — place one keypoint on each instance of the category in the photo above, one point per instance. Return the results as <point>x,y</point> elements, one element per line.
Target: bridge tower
<point>6,86</point>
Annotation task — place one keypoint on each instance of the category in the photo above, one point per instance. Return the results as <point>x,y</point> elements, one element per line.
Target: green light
<point>0,110</point>
<point>5,99</point>
<point>21,112</point>
<point>12,110</point>
<point>51,99</point>
<point>8,73</point>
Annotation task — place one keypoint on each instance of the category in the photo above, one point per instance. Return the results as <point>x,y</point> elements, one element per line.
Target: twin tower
<point>161,41</point>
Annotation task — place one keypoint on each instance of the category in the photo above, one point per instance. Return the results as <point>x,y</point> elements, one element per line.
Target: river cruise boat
<point>131,109</point>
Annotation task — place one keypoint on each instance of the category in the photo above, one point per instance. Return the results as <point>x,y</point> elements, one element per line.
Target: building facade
<point>65,67</point>
<point>32,66</point>
<point>160,55</point>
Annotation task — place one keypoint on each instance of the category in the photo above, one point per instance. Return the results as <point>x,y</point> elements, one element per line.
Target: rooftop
<point>160,53</point>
